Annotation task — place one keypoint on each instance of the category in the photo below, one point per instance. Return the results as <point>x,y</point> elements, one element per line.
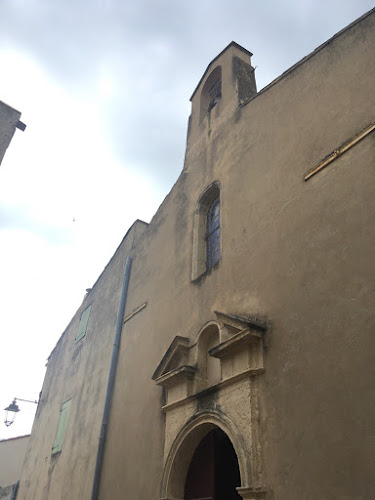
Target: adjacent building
<point>245,307</point>
<point>12,453</point>
<point>9,121</point>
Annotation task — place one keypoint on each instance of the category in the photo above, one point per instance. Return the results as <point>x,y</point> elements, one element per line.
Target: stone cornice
<point>178,375</point>
<point>235,343</point>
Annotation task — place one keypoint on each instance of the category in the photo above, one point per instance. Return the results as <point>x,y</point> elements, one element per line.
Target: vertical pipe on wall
<point>111,381</point>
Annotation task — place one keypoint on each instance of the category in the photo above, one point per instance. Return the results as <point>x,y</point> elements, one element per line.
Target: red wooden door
<point>213,472</point>
<point>200,481</point>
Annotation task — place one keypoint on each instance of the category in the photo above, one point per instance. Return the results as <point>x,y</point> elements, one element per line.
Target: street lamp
<point>12,410</point>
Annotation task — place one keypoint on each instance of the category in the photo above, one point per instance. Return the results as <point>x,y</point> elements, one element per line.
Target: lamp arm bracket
<point>26,400</point>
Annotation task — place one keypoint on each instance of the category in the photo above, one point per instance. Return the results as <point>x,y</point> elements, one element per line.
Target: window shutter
<point>83,324</point>
<point>61,428</point>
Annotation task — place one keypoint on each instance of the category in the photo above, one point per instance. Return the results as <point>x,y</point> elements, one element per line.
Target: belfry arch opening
<point>213,472</point>
<point>211,93</point>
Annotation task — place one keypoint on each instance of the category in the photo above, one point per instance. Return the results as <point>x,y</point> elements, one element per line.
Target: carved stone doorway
<point>213,472</point>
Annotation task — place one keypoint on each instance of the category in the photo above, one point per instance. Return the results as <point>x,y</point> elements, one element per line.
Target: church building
<point>226,351</point>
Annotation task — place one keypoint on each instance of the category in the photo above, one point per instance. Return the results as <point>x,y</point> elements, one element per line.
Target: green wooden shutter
<point>83,324</point>
<point>61,428</point>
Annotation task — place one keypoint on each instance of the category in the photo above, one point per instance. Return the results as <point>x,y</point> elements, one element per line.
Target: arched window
<point>213,234</point>
<point>206,232</point>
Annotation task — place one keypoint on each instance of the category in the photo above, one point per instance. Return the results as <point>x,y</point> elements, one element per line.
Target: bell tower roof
<point>212,63</point>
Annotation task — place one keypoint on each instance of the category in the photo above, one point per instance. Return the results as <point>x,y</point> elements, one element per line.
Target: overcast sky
<point>104,88</point>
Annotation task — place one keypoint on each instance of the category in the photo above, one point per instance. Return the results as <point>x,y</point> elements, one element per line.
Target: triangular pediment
<point>175,356</point>
<point>235,323</point>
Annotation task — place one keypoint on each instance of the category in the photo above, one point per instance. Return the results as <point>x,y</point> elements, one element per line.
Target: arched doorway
<point>213,473</point>
<point>230,445</point>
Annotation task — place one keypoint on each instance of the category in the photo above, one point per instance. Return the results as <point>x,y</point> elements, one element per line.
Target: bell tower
<point>227,83</point>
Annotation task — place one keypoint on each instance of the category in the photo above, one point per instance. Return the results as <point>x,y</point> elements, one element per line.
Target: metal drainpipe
<point>111,381</point>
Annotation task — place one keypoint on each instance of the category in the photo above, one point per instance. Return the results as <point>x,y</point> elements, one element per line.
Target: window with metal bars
<point>206,251</point>
<point>213,234</point>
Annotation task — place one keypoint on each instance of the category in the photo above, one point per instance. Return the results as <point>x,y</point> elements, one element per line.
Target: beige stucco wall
<point>76,371</point>
<point>12,454</point>
<point>297,254</point>
<point>8,121</point>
